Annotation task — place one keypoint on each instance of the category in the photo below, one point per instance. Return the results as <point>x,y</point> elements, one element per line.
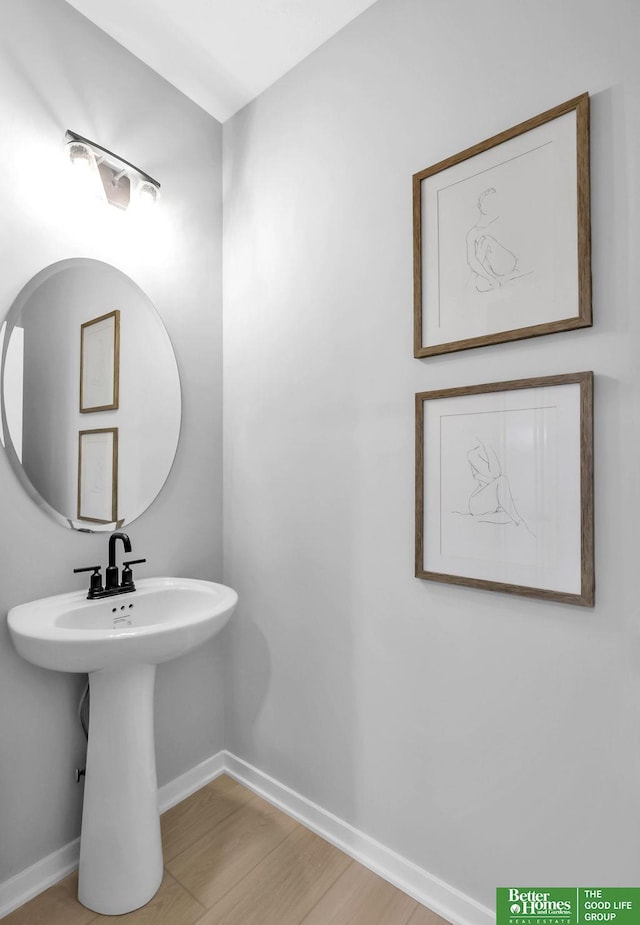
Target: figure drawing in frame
<point>491,500</point>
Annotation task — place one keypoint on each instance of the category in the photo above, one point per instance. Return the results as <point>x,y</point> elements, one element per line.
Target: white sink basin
<point>119,641</point>
<point>161,619</point>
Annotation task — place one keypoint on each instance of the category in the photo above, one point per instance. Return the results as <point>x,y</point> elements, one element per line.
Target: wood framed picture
<point>98,475</point>
<point>501,236</point>
<point>504,487</point>
<point>100,363</point>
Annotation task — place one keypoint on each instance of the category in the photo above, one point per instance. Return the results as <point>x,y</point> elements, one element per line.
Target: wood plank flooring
<point>231,858</point>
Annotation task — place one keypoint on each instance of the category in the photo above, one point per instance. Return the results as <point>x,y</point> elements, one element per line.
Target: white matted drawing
<point>504,487</point>
<point>100,363</point>
<point>498,485</point>
<point>502,236</point>
<point>98,475</point>
<point>489,247</point>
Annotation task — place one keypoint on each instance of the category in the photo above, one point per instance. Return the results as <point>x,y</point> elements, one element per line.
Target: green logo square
<point>567,905</point>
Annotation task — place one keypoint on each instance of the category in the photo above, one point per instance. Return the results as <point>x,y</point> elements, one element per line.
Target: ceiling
<point>221,53</point>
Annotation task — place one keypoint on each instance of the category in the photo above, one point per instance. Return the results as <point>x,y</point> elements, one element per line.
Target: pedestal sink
<point>119,641</point>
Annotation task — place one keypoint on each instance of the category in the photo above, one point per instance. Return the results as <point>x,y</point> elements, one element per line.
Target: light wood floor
<point>233,859</point>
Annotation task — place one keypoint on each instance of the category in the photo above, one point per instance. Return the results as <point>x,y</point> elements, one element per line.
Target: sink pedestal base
<point>121,863</point>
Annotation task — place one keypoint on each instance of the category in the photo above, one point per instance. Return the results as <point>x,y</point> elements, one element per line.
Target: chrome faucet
<point>112,584</point>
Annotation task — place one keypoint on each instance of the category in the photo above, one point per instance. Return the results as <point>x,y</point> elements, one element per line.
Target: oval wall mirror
<point>90,395</point>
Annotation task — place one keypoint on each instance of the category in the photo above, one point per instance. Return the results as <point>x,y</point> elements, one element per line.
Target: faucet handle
<point>127,574</point>
<point>95,585</point>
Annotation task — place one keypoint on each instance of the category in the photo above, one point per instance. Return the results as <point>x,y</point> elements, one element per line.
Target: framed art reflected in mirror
<point>98,475</point>
<point>100,363</point>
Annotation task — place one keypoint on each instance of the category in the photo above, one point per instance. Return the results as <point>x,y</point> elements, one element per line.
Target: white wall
<point>57,71</point>
<point>490,739</point>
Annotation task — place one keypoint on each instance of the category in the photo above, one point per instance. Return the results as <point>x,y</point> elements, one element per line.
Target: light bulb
<point>80,155</point>
<point>147,194</point>
<point>85,170</point>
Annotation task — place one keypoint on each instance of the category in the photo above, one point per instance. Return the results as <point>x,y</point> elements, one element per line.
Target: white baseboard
<point>182,787</point>
<point>448,902</point>
<point>40,876</point>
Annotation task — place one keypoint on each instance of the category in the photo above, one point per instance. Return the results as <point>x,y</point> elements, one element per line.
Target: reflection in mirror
<point>83,324</point>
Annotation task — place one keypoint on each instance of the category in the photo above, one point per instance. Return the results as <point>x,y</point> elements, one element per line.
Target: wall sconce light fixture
<point>109,176</point>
